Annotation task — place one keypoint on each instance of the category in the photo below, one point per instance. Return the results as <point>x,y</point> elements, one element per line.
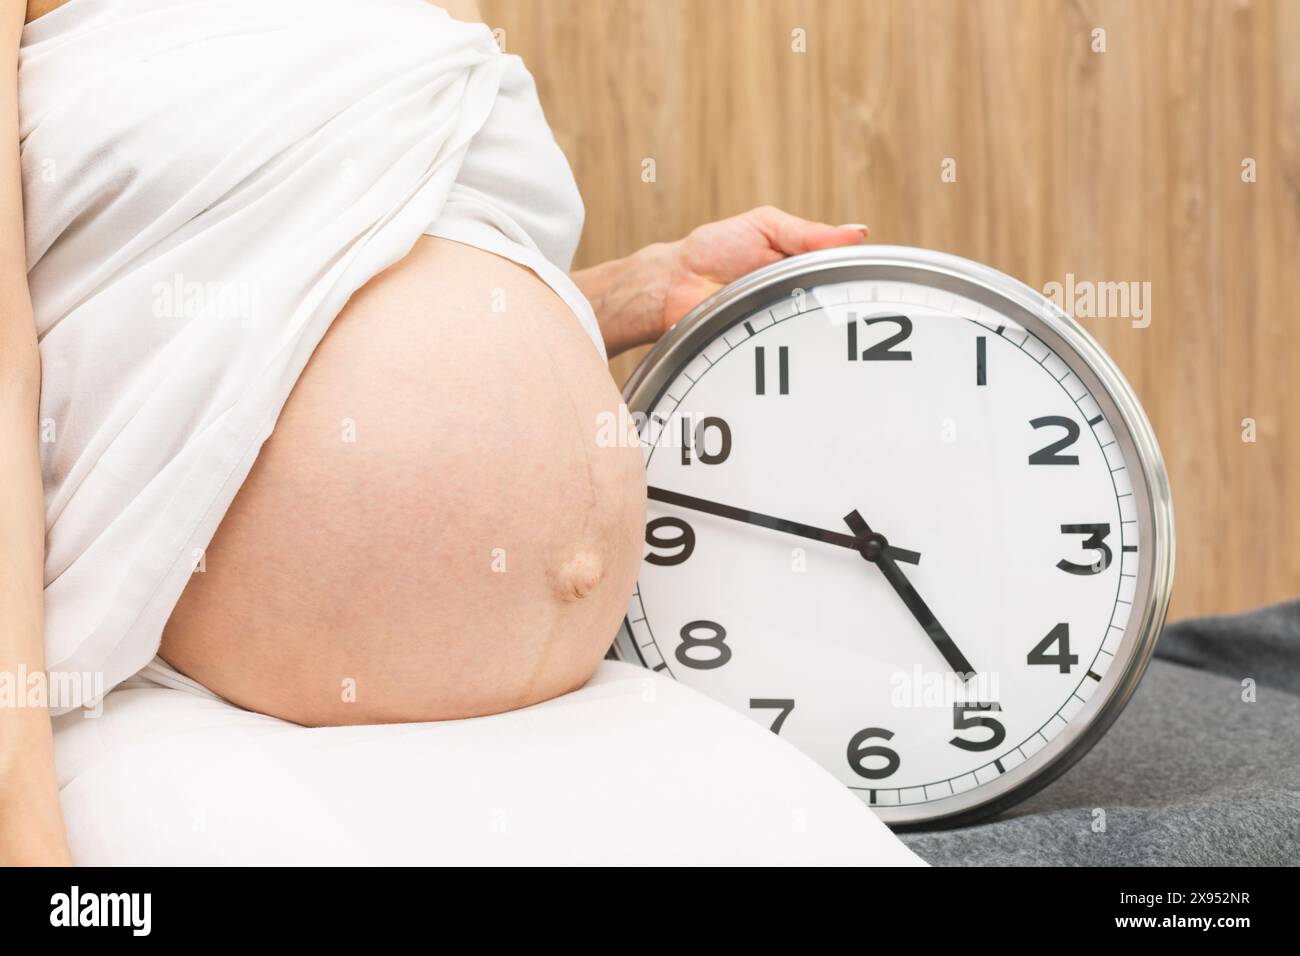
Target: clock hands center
<point>775,524</point>
<point>872,546</point>
<point>875,549</point>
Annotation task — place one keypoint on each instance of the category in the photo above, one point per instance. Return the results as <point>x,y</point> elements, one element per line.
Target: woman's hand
<point>639,298</point>
<point>720,252</point>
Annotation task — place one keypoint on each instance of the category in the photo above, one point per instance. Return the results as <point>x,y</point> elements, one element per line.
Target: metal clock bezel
<point>1109,389</point>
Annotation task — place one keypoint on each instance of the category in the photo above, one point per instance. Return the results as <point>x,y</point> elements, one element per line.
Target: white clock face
<point>847,419</point>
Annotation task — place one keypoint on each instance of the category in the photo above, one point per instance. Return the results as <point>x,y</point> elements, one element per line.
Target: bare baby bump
<point>434,530</point>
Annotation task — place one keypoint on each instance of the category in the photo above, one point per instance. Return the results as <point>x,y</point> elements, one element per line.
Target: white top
<point>206,183</point>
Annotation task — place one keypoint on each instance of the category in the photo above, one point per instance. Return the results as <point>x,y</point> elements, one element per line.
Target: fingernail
<point>860,227</point>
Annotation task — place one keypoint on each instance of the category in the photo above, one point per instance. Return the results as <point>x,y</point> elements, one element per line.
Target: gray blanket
<point>1191,774</point>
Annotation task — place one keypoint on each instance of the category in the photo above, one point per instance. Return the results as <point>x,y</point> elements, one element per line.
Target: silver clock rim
<point>1109,388</point>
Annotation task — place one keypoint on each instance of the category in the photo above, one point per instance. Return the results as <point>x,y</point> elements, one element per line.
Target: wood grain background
<point>1117,166</point>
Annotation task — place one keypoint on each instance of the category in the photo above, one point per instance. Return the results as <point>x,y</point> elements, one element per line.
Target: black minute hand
<point>875,549</point>
<point>767,521</point>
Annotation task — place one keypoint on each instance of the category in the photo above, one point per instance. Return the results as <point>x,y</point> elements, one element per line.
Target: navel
<point>578,576</point>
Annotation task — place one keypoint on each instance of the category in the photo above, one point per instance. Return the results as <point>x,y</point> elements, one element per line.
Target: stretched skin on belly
<point>433,530</point>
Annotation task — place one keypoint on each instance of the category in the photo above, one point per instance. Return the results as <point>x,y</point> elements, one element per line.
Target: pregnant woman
<point>298,403</point>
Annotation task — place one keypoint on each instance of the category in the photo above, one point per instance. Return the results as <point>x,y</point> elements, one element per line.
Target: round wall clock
<point>906,514</point>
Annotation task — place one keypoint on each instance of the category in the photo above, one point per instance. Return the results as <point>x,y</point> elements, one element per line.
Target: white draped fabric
<point>206,183</point>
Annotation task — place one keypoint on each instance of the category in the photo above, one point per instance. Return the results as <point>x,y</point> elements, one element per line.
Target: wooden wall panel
<point>1123,165</point>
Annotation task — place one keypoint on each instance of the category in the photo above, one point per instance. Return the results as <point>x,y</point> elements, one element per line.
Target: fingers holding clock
<point>875,548</point>
<point>768,521</point>
<point>790,235</point>
<point>685,272</point>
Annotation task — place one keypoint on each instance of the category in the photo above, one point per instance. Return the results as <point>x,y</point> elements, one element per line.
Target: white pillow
<point>630,769</point>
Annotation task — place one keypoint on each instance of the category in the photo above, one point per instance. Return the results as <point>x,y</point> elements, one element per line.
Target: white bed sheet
<point>630,769</point>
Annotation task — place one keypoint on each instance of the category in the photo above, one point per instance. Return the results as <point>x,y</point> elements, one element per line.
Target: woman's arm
<point>31,824</point>
<point>638,298</point>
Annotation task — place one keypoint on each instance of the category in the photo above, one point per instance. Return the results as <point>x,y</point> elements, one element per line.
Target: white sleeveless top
<point>206,183</point>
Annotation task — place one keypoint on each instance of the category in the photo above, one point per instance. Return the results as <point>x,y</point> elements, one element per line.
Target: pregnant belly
<point>434,530</point>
